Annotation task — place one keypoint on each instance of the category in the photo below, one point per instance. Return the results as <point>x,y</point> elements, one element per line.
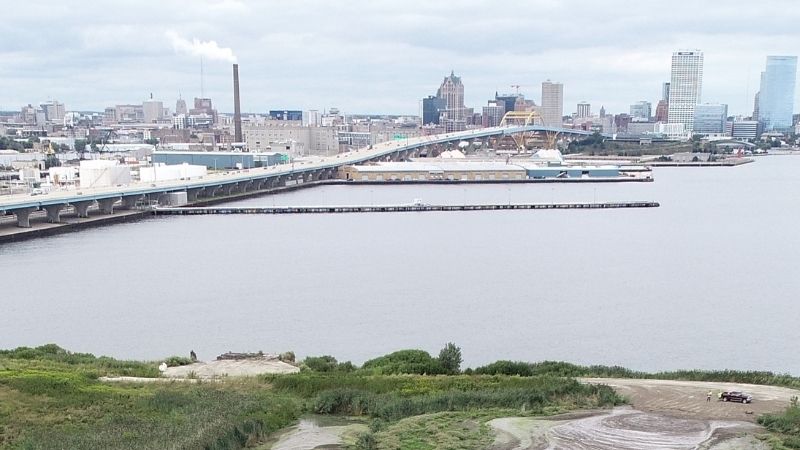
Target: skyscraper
<point>552,103</point>
<point>584,109</point>
<point>776,97</point>
<point>432,108</point>
<point>452,92</point>
<point>180,107</point>
<point>665,91</point>
<point>685,87</point>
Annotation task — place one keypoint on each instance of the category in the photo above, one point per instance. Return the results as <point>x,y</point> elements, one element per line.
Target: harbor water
<point>707,280</point>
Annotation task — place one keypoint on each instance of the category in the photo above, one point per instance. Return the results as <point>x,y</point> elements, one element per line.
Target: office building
<point>776,97</point>
<point>493,113</point>
<point>286,115</point>
<point>641,110</point>
<point>665,91</point>
<point>685,87</point>
<point>180,107</point>
<point>662,111</point>
<point>584,110</point>
<point>152,110</point>
<point>452,92</point>
<point>552,108</point>
<point>710,118</point>
<point>432,108</point>
<point>745,129</point>
<point>53,111</point>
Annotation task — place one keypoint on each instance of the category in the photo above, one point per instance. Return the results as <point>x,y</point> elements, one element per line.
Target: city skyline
<point>124,55</point>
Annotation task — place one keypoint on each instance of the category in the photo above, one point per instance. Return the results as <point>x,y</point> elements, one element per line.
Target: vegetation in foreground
<point>52,398</point>
<point>785,427</point>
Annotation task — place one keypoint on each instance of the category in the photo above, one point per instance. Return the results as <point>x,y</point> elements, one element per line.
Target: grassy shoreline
<point>52,398</point>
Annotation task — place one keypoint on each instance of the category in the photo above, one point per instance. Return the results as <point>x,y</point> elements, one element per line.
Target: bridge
<point>254,179</point>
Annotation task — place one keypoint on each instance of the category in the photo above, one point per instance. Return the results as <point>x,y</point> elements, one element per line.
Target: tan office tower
<point>552,103</point>
<point>452,92</point>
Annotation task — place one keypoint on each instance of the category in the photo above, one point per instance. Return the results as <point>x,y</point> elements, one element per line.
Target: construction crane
<point>516,87</point>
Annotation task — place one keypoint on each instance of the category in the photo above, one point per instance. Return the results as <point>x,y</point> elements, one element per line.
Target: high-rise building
<point>776,97</point>
<point>685,87</point>
<point>710,118</point>
<point>180,107</point>
<point>584,110</point>
<point>493,113</point>
<point>662,111</point>
<point>641,110</point>
<point>53,111</point>
<point>755,105</point>
<point>452,91</point>
<point>432,108</point>
<point>552,103</point>
<point>665,91</point>
<point>153,110</point>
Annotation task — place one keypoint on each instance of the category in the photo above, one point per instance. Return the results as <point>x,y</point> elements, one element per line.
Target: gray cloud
<point>382,56</point>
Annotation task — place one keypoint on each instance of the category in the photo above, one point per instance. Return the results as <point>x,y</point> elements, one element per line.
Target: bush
<point>405,361</point>
<point>175,361</point>
<point>324,363</point>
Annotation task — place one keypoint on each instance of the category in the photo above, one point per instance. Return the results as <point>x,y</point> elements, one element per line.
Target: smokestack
<point>237,111</point>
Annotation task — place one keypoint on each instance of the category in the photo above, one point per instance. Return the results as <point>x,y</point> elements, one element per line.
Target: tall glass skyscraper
<point>776,98</point>
<point>685,87</point>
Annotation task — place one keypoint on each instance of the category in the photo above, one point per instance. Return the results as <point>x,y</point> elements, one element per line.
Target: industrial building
<point>423,171</point>
<point>220,160</point>
<point>473,171</point>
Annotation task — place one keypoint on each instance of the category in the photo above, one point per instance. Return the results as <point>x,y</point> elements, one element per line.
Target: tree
<point>80,145</point>
<point>151,141</point>
<point>450,358</point>
<point>55,147</point>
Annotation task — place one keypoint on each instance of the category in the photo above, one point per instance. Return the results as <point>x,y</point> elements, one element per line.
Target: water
<point>708,280</point>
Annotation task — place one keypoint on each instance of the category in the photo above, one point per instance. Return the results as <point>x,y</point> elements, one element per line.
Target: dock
<point>190,211</point>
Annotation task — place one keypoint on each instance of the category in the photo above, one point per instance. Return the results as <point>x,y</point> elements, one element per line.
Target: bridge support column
<point>259,184</point>
<point>82,207</point>
<point>192,194</point>
<point>229,189</point>
<point>106,205</point>
<point>53,213</point>
<point>129,201</point>
<point>24,216</point>
<point>245,186</point>
<point>212,191</point>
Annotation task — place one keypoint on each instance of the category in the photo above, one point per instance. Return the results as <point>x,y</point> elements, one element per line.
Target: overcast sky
<point>375,56</point>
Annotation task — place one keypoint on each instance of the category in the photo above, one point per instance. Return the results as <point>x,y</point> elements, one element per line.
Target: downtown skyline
<point>380,58</point>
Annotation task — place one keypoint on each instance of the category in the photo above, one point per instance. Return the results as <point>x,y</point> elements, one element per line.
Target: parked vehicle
<point>736,396</point>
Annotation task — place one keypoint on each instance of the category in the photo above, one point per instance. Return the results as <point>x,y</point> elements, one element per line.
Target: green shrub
<point>175,361</point>
<point>405,361</point>
<point>325,363</point>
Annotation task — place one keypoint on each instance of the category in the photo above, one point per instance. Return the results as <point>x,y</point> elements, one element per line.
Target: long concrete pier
<point>189,211</point>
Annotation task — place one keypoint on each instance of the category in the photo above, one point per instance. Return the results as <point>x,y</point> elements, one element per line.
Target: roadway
<point>11,203</point>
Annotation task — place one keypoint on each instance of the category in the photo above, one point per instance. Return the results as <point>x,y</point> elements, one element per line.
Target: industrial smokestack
<point>237,111</point>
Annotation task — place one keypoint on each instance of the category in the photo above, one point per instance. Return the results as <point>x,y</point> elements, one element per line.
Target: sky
<point>382,56</point>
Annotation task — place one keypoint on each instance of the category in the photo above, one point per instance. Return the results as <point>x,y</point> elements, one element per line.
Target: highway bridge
<point>226,183</point>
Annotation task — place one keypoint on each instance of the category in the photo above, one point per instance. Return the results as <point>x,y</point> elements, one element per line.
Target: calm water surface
<point>711,279</point>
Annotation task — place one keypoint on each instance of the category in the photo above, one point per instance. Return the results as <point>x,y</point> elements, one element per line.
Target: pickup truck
<point>736,396</point>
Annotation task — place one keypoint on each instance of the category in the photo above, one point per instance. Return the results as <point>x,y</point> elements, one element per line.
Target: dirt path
<point>687,399</point>
<point>664,414</point>
<point>622,428</point>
